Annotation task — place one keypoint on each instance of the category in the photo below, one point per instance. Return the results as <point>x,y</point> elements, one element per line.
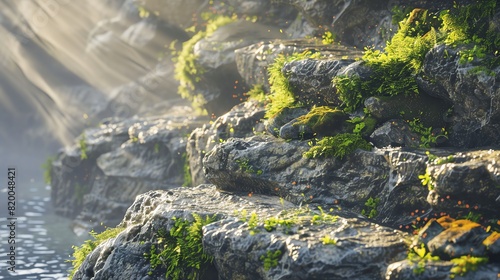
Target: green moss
<point>471,24</point>
<point>371,210</point>
<point>180,251</point>
<point>47,170</point>
<point>271,259</point>
<point>323,120</point>
<point>257,93</point>
<point>187,71</point>
<point>281,93</point>
<point>338,146</point>
<point>81,252</point>
<point>427,137</point>
<point>328,38</point>
<point>83,147</point>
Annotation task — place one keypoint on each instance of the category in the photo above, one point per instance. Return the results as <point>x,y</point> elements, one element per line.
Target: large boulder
<point>243,120</point>
<point>475,119</point>
<point>312,244</point>
<point>95,180</point>
<point>253,61</point>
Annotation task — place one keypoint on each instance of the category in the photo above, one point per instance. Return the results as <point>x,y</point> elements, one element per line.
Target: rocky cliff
<point>320,161</point>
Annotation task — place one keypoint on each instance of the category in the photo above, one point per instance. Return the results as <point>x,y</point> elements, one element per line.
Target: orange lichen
<point>492,238</point>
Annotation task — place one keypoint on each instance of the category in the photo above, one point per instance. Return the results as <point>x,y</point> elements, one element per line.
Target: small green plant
<point>323,218</point>
<point>323,120</point>
<point>338,146</point>
<point>81,252</point>
<point>83,147</point>
<point>271,259</point>
<point>466,264</point>
<point>245,166</point>
<point>253,222</point>
<point>420,255</point>
<point>47,170</point>
<point>427,180</point>
<point>371,204</point>
<point>327,240</point>
<point>156,148</point>
<point>180,250</point>
<point>188,179</point>
<point>328,38</point>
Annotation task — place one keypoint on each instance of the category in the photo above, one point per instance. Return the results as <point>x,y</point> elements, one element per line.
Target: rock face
<point>474,96</point>
<point>357,244</point>
<point>97,179</point>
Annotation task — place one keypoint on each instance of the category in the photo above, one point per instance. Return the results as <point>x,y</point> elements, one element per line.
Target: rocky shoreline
<point>357,175</point>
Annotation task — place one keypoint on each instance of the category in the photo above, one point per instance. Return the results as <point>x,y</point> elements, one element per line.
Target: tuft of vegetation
<point>338,146</point>
<point>323,120</point>
<point>180,251</point>
<point>271,259</point>
<point>465,264</point>
<point>471,25</point>
<point>393,70</point>
<point>246,167</point>
<point>47,170</point>
<point>83,147</point>
<point>187,71</point>
<point>81,252</point>
<point>427,180</point>
<point>372,205</point>
<point>257,93</point>
<point>188,179</point>
<point>420,256</point>
<point>281,94</point>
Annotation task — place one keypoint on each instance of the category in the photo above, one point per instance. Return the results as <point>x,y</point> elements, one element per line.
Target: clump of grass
<point>81,252</point>
<point>180,250</point>
<point>83,147</point>
<point>338,146</point>
<point>187,70</point>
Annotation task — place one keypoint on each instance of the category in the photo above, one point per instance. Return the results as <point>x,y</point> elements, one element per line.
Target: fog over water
<point>65,65</point>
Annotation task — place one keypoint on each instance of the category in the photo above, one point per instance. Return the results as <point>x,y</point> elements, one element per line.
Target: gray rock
<point>395,133</point>
<point>252,61</point>
<point>123,159</point>
<point>241,121</point>
<point>311,80</point>
<point>272,166</point>
<point>363,250</point>
<point>476,110</point>
<point>285,116</point>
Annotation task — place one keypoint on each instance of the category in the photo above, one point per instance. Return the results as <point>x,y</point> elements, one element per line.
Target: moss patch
<point>81,252</point>
<point>338,146</point>
<point>325,120</point>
